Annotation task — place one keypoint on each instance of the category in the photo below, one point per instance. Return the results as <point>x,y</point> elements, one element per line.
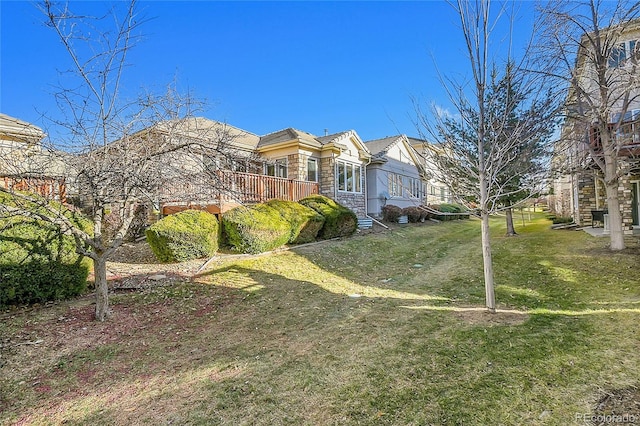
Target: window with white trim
<point>394,185</point>
<point>278,168</point>
<point>349,177</point>
<point>622,52</point>
<point>312,169</point>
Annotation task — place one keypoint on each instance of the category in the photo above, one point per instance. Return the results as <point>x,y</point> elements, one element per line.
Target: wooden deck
<point>230,189</point>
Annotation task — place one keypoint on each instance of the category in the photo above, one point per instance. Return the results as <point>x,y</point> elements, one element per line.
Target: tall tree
<point>590,49</point>
<point>496,118</point>
<point>118,153</point>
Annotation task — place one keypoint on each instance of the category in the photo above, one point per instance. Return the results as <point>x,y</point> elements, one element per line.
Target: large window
<point>349,177</point>
<point>395,185</point>
<point>622,52</point>
<point>401,186</point>
<point>312,170</point>
<point>278,168</point>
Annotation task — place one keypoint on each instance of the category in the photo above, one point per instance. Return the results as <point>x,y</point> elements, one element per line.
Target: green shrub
<point>255,229</point>
<point>391,213</point>
<point>339,220</point>
<point>37,262</point>
<point>305,223</point>
<point>189,234</point>
<point>415,214</point>
<point>452,209</point>
<point>561,219</point>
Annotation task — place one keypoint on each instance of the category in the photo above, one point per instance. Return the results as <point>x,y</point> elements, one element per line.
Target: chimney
<point>326,132</point>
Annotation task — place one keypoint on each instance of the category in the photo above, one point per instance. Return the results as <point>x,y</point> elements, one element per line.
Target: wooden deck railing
<point>237,187</point>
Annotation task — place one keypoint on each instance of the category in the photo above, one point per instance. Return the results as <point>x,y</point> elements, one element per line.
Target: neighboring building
<point>24,164</point>
<point>437,192</point>
<point>395,175</point>
<point>337,163</point>
<point>578,187</point>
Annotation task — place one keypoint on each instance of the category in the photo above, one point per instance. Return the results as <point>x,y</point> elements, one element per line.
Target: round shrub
<point>305,223</point>
<point>189,234</point>
<point>37,262</point>
<point>339,220</point>
<point>415,214</point>
<point>255,229</point>
<point>391,213</point>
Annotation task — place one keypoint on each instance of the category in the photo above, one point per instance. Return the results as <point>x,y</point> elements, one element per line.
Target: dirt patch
<point>475,316</point>
<point>618,404</point>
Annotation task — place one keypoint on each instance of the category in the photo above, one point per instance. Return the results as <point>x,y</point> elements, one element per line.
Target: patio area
<point>599,232</point>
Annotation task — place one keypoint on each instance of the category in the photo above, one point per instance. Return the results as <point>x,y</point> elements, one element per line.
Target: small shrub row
<point>391,213</point>
<point>454,211</point>
<point>255,229</point>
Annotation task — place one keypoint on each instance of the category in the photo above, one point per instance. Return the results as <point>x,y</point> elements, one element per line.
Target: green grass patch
<point>384,328</point>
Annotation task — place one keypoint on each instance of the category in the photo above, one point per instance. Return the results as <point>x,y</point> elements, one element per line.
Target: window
<point>395,185</point>
<point>622,52</point>
<point>416,188</point>
<point>629,130</point>
<point>312,170</point>
<point>278,168</point>
<point>349,177</point>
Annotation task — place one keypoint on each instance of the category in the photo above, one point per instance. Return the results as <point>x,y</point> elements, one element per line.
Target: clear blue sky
<point>265,66</point>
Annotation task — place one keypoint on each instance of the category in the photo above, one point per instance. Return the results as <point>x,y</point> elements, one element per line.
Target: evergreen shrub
<point>305,223</point>
<point>255,229</point>
<point>189,234</point>
<point>38,263</point>
<point>339,220</point>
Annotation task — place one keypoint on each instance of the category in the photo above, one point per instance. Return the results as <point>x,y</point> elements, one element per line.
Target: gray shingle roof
<point>288,134</point>
<point>379,147</point>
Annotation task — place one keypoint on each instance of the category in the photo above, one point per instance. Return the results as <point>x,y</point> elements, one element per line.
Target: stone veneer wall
<point>587,200</point>
<point>296,167</point>
<point>327,177</point>
<point>354,202</point>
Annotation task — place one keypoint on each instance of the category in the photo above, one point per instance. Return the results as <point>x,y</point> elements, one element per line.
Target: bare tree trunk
<point>102,289</point>
<point>490,297</point>
<point>511,230</point>
<point>615,218</point>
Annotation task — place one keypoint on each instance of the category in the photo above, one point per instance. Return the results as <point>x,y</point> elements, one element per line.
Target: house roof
<point>379,147</point>
<point>204,128</point>
<point>289,134</point>
<point>14,129</point>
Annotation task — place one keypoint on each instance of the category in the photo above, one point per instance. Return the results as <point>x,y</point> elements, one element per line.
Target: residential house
<point>395,175</point>
<point>437,191</point>
<point>337,163</point>
<point>25,164</point>
<point>578,188</point>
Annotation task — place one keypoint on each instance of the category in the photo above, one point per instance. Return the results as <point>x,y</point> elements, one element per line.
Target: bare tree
<point>590,49</point>
<point>481,144</point>
<point>120,154</point>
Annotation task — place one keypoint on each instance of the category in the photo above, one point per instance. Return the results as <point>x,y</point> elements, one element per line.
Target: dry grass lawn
<point>384,328</point>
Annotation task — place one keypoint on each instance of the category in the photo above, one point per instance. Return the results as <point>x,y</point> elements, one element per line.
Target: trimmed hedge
<point>305,222</point>
<point>255,229</point>
<point>189,234</point>
<point>37,262</point>
<point>451,208</point>
<point>391,213</point>
<point>339,220</point>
